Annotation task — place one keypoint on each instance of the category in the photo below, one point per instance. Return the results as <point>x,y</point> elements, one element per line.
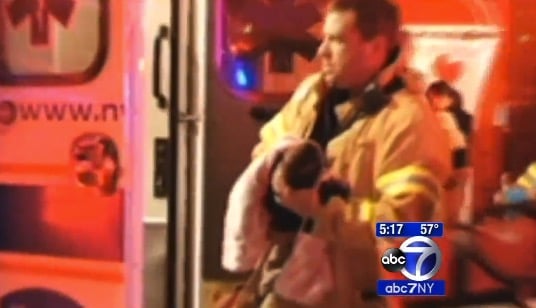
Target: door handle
<point>163,34</point>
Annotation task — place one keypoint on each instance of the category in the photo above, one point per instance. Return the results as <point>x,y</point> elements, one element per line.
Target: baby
<point>294,173</point>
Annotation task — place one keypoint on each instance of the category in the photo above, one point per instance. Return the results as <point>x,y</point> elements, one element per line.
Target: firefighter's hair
<point>373,17</point>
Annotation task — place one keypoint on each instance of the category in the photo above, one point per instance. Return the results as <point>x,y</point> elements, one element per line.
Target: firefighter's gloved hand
<point>332,187</point>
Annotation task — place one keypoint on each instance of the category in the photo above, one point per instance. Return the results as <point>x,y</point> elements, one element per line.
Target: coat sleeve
<point>412,164</point>
<point>284,122</point>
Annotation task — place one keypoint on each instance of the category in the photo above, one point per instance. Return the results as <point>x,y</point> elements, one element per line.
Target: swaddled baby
<point>289,172</point>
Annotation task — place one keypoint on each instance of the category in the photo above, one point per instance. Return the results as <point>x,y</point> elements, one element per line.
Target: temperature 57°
<point>427,229</point>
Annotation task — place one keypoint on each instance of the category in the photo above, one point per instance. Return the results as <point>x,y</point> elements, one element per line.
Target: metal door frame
<point>188,86</point>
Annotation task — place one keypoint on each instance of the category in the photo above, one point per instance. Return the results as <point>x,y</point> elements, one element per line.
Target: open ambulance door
<point>70,214</point>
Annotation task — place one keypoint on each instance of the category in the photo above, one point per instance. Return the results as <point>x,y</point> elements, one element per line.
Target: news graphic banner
<point>409,229</point>
<point>418,259</point>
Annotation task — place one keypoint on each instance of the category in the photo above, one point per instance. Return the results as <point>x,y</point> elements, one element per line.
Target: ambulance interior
<point>203,77</point>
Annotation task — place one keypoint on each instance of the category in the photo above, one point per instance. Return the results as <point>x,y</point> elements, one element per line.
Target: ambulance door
<point>242,67</point>
<point>68,231</point>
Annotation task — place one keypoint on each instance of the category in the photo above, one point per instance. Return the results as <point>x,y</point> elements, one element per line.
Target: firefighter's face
<point>347,59</point>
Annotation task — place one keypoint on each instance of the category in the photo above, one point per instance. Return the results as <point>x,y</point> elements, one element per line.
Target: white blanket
<point>245,234</point>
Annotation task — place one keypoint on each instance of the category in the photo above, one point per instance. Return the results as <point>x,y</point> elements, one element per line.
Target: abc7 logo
<point>418,258</point>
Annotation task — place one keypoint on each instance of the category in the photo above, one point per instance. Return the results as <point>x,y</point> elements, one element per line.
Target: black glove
<point>333,188</point>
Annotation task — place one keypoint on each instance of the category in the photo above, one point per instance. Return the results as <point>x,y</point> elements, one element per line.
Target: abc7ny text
<point>419,260</point>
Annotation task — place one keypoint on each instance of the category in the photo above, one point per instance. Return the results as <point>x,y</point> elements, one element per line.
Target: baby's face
<point>301,201</point>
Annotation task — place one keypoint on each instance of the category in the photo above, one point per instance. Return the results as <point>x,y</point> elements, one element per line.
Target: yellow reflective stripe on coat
<point>528,179</point>
<point>409,180</point>
<point>370,211</point>
<point>366,211</point>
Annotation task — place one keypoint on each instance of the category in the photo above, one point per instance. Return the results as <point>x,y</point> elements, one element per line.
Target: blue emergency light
<point>241,77</point>
<point>244,74</point>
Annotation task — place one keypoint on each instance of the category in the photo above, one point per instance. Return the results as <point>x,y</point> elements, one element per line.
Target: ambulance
<point>123,125</point>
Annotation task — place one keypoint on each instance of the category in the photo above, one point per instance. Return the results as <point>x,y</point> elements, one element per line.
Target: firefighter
<point>378,136</point>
